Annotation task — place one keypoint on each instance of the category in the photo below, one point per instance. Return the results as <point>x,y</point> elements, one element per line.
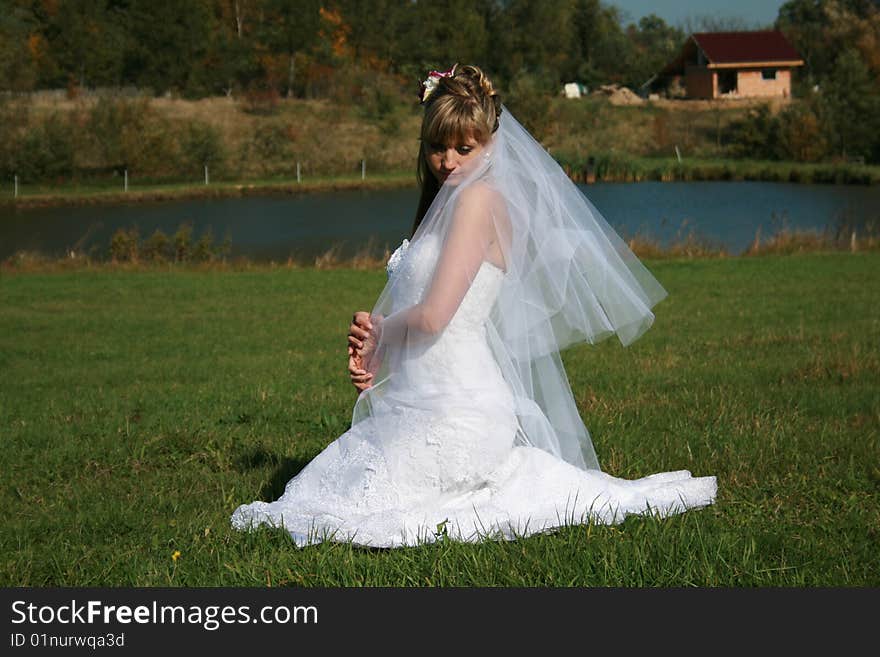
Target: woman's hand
<point>358,338</point>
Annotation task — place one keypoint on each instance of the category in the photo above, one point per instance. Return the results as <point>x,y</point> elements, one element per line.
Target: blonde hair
<point>464,104</point>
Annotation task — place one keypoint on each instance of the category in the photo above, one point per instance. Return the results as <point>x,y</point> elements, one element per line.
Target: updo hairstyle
<point>464,104</point>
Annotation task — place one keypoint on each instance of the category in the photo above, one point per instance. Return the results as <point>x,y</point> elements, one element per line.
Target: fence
<point>43,188</point>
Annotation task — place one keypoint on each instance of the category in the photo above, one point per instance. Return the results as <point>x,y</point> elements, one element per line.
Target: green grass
<point>139,408</point>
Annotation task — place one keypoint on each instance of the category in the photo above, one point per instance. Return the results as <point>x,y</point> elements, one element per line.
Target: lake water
<point>302,226</point>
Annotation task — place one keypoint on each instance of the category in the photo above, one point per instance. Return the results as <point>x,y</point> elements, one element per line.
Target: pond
<point>306,225</point>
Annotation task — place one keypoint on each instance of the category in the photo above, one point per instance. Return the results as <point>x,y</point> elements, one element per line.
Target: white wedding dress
<point>412,472</point>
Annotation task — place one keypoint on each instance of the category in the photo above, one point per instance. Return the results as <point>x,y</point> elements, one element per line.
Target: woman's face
<point>449,162</point>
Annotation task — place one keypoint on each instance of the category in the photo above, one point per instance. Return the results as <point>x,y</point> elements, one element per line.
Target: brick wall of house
<point>751,83</point>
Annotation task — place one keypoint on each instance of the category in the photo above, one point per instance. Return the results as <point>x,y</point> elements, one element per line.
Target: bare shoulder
<point>481,200</point>
<point>482,208</point>
<point>480,194</point>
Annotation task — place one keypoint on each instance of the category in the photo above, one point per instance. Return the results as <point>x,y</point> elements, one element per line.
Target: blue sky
<point>753,12</point>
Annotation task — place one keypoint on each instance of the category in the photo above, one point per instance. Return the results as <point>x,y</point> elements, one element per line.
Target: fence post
<point>206,174</point>
<point>677,153</point>
<point>298,177</point>
<point>125,181</point>
<point>16,185</point>
<point>363,169</point>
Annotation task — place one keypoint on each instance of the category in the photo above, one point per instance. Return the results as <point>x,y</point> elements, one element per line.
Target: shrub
<point>203,250</point>
<point>802,137</point>
<point>157,247</point>
<point>201,145</point>
<point>128,134</point>
<point>755,136</point>
<point>46,151</point>
<point>13,115</point>
<point>124,245</point>
<point>183,243</point>
<point>270,146</point>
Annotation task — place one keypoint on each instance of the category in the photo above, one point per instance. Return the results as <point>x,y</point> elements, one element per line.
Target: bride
<point>465,426</point>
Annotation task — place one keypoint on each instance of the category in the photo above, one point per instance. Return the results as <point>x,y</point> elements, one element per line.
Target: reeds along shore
<point>612,168</point>
<point>128,250</point>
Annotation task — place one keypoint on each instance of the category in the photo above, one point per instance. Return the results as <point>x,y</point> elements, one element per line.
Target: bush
<point>802,137</point>
<point>128,134</point>
<point>157,247</point>
<point>202,145</point>
<point>270,146</point>
<point>203,251</point>
<point>46,151</point>
<point>183,243</point>
<point>755,136</point>
<point>124,245</point>
<point>13,114</point>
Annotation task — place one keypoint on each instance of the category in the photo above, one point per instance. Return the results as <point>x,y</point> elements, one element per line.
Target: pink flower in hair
<point>430,84</point>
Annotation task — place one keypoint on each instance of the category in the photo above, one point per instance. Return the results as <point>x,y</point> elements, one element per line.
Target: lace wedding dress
<point>412,472</point>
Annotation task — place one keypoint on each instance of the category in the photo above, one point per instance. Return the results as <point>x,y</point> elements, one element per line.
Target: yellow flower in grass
<point>175,555</point>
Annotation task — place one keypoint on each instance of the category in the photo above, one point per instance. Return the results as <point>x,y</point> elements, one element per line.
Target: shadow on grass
<point>285,470</point>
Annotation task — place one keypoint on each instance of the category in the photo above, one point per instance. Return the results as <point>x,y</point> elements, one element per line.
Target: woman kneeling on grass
<point>465,425</point>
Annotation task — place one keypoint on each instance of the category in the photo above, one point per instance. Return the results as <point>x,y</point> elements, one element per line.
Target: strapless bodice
<point>412,266</point>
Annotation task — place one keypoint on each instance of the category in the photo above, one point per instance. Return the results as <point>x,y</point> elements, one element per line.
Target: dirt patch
<point>619,95</point>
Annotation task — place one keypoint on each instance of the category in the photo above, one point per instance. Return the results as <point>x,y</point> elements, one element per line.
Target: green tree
<point>604,52</point>
<point>435,36</point>
<point>89,42</point>
<point>171,43</point>
<point>19,41</point>
<point>654,44</point>
<point>545,42</point>
<point>290,29</point>
<point>820,30</point>
<point>852,99</point>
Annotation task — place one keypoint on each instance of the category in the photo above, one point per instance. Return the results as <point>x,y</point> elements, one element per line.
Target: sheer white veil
<point>568,278</point>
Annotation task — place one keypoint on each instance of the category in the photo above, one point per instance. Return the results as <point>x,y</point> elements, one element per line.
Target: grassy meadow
<point>139,408</point>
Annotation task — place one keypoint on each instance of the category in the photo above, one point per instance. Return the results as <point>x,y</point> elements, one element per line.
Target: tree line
<point>298,47</point>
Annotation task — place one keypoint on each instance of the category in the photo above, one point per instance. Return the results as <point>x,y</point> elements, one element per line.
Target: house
<point>730,65</point>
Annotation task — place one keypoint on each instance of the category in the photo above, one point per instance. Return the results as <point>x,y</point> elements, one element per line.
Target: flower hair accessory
<point>430,84</point>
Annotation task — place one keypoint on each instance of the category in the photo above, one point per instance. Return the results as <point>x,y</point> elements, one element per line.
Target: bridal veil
<point>568,278</point>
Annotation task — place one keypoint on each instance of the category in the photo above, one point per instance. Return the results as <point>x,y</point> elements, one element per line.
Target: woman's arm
<point>461,257</point>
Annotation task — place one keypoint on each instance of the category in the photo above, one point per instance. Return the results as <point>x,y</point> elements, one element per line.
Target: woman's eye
<point>464,150</point>
<point>437,147</point>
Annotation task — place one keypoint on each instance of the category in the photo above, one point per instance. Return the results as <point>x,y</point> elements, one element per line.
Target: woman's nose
<point>450,159</point>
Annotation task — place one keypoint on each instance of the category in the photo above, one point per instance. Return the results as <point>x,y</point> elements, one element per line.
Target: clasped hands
<point>361,347</point>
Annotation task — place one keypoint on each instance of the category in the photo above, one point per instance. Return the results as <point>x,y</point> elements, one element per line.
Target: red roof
<point>734,47</point>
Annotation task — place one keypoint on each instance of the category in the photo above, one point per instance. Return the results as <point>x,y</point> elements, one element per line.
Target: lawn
<point>139,408</point>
